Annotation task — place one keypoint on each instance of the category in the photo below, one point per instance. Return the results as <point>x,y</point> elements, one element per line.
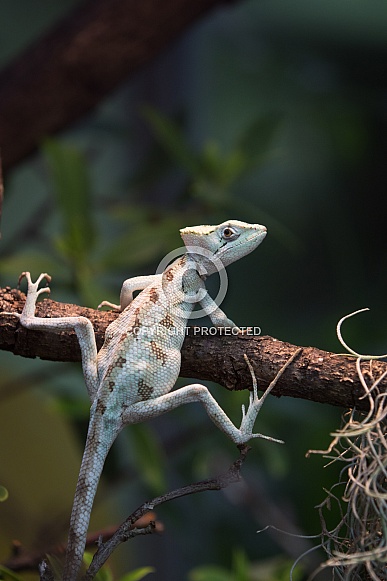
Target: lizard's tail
<point>89,475</point>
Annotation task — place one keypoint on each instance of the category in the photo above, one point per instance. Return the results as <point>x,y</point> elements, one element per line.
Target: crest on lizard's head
<point>226,242</point>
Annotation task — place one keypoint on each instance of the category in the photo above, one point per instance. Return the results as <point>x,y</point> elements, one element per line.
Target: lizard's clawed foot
<point>249,416</point>
<point>33,291</point>
<point>33,287</point>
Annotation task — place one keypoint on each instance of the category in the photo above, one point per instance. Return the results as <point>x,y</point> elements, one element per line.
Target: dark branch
<point>316,375</point>
<point>126,531</point>
<point>30,560</point>
<point>69,71</point>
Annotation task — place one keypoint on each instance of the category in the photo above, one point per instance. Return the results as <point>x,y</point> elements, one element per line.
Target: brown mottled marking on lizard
<point>156,350</point>
<point>144,390</point>
<point>154,295</point>
<point>169,275</point>
<point>94,443</point>
<point>111,385</point>
<point>110,369</point>
<point>135,328</point>
<point>101,407</point>
<point>120,361</point>
<point>167,321</point>
<point>137,322</point>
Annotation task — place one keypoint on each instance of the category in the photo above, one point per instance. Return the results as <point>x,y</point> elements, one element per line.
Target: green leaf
<point>56,565</point>
<point>157,164</point>
<point>72,188</point>
<point>138,574</point>
<point>233,168</point>
<point>87,558</point>
<point>3,493</point>
<point>276,569</point>
<point>147,239</point>
<point>172,139</point>
<point>210,573</point>
<point>220,170</point>
<point>12,265</point>
<point>256,141</point>
<point>211,159</point>
<point>103,574</point>
<point>143,251</point>
<point>149,457</point>
<point>240,566</point>
<point>8,574</point>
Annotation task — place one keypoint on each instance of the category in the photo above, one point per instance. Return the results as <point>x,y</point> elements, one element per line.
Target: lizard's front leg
<point>217,316</point>
<point>129,286</point>
<point>81,325</point>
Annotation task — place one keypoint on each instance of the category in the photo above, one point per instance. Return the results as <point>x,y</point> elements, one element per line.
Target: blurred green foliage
<point>71,185</point>
<point>268,112</point>
<point>242,570</point>
<point>8,575</point>
<point>138,574</point>
<point>105,573</point>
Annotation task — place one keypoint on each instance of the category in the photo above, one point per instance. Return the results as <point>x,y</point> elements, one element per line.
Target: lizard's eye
<point>228,233</point>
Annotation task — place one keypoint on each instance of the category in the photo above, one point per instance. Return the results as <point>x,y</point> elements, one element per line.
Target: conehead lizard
<point>131,378</point>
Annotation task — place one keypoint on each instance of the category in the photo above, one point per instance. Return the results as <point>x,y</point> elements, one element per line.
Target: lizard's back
<point>140,358</point>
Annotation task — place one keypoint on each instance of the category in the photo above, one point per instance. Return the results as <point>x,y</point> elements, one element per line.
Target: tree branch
<point>316,375</point>
<point>127,531</point>
<point>69,71</point>
<point>22,559</point>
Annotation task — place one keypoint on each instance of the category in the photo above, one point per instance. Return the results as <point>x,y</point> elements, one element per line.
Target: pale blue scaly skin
<point>131,378</point>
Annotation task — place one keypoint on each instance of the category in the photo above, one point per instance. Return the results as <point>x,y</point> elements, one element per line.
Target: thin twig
<point>126,530</point>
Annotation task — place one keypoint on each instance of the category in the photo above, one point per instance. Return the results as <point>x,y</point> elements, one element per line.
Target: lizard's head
<point>225,243</point>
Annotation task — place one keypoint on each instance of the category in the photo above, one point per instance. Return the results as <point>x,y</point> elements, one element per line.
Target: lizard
<point>130,379</point>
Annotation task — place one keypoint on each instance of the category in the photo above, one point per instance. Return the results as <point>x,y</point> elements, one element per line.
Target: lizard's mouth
<point>253,241</point>
<point>256,235</point>
<point>253,236</point>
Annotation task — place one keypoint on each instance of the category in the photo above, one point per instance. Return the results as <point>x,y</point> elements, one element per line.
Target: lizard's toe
<point>33,287</point>
<point>23,275</point>
<point>45,289</point>
<point>110,305</point>
<point>42,276</point>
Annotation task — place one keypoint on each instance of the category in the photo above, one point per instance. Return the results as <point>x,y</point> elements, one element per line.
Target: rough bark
<point>315,375</point>
<point>65,74</point>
